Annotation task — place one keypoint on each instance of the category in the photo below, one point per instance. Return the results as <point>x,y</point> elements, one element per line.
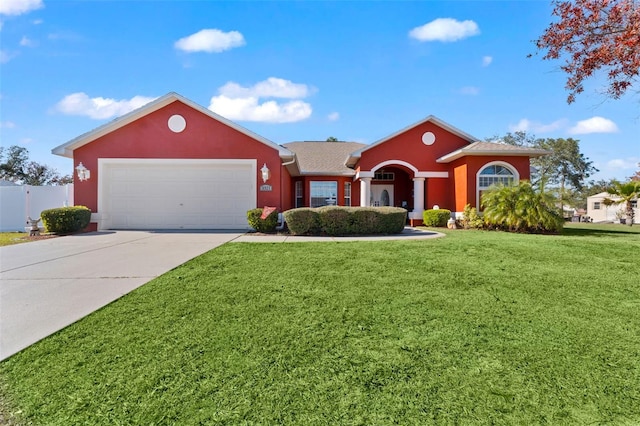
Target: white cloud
<point>99,108</point>
<point>38,21</point>
<point>272,87</point>
<point>526,125</point>
<point>249,109</point>
<point>6,56</point>
<point>445,29</point>
<point>486,61</point>
<point>210,40</point>
<point>7,125</point>
<point>27,42</point>
<point>594,125</point>
<point>236,102</point>
<point>334,116</point>
<point>630,163</point>
<point>469,90</point>
<point>18,7</point>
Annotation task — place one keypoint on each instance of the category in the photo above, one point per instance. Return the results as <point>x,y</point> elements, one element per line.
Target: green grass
<point>473,328</point>
<point>8,238</point>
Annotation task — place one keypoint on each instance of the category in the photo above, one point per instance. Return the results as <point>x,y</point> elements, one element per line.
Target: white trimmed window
<point>387,176</point>
<point>494,173</point>
<point>299,194</point>
<point>596,205</point>
<point>347,193</point>
<point>323,193</point>
<point>634,204</point>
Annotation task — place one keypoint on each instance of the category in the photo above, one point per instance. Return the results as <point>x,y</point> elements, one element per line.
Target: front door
<point>381,195</point>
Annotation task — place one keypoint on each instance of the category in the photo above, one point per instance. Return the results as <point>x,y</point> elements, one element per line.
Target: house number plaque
<point>266,188</point>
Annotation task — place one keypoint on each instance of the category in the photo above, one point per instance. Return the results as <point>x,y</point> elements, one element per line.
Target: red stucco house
<point>174,164</point>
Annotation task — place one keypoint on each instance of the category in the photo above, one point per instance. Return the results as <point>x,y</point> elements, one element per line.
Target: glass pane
<point>384,198</point>
<point>324,193</point>
<point>491,170</point>
<point>503,171</point>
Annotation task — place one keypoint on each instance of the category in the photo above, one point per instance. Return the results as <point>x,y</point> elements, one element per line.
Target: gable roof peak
<point>66,149</point>
<point>430,118</point>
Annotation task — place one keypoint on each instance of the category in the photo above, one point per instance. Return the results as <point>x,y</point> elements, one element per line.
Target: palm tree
<point>519,208</point>
<point>624,193</point>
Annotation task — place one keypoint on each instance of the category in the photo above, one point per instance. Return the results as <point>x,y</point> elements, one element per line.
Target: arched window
<point>495,173</point>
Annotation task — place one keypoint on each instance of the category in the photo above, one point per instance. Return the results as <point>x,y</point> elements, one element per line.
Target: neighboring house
<point>599,212</point>
<point>174,164</point>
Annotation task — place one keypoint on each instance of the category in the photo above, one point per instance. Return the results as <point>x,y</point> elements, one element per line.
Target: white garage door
<point>176,194</point>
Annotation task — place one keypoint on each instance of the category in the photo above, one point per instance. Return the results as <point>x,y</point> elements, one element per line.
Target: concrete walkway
<point>48,284</point>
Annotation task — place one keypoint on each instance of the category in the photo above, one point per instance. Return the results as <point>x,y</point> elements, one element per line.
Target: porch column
<point>418,198</point>
<point>365,191</point>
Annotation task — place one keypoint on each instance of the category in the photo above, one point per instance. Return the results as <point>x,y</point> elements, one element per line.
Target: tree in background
<point>595,35</point>
<point>636,175</point>
<point>625,193</point>
<point>16,167</point>
<point>565,166</point>
<point>578,197</point>
<point>332,139</point>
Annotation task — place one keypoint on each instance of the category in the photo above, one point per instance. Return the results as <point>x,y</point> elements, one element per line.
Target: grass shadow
<point>599,230</point>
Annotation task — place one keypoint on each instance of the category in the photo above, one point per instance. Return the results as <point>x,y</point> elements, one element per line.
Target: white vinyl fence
<point>18,202</point>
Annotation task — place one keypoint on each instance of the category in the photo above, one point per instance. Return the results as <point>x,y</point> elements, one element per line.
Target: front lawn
<point>8,238</point>
<point>473,328</point>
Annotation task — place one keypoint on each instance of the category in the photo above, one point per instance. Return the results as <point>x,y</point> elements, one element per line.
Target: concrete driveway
<point>46,285</point>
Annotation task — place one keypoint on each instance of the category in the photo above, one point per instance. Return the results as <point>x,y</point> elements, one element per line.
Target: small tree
<point>625,193</point>
<point>519,208</point>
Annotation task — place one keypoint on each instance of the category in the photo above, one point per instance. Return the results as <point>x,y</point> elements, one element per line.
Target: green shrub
<point>335,220</point>
<point>520,208</point>
<point>262,225</point>
<point>66,220</point>
<point>436,217</point>
<point>471,219</point>
<point>391,220</point>
<point>365,220</point>
<point>302,221</point>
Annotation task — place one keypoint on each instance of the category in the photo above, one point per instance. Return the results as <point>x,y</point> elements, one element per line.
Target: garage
<point>175,193</point>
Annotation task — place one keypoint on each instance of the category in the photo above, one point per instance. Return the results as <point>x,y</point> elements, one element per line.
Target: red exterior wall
<point>203,138</point>
<point>465,171</point>
<point>438,193</point>
<point>408,147</point>
<point>287,188</point>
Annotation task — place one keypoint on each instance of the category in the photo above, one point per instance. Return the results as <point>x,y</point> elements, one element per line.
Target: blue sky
<point>293,71</point>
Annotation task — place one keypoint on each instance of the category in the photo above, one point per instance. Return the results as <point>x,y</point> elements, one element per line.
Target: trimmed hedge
<point>337,220</point>
<point>66,220</point>
<point>303,221</point>
<point>334,220</point>
<point>262,225</point>
<point>436,218</point>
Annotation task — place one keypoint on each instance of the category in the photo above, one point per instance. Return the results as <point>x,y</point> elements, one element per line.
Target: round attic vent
<point>428,138</point>
<point>177,123</point>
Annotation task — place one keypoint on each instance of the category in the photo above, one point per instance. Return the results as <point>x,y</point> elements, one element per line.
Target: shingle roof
<point>323,157</point>
<point>492,148</point>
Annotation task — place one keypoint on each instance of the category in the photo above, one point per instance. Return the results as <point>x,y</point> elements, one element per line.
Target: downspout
<point>280,215</point>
